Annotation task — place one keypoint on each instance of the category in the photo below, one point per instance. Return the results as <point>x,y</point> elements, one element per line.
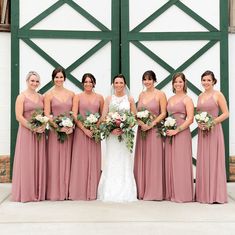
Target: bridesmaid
<point>178,159</point>
<point>210,174</point>
<point>29,171</point>
<point>149,165</point>
<point>86,153</point>
<point>58,101</point>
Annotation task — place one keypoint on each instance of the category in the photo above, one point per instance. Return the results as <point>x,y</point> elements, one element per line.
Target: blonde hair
<point>30,73</point>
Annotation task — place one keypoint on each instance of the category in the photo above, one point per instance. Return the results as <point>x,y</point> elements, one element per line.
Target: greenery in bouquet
<point>168,123</point>
<point>205,119</point>
<point>61,121</point>
<point>37,120</point>
<point>120,119</point>
<point>146,117</point>
<point>90,122</point>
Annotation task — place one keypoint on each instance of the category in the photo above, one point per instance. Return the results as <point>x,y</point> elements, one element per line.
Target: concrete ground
<point>96,217</point>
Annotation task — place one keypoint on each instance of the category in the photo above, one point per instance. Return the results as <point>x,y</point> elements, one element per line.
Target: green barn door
<point>144,39</point>
<point>125,40</point>
<point>31,40</point>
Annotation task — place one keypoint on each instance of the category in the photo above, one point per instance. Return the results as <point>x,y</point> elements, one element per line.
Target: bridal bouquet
<point>90,122</point>
<point>61,121</point>
<point>206,119</point>
<point>37,120</point>
<point>146,117</point>
<point>120,119</point>
<point>168,124</point>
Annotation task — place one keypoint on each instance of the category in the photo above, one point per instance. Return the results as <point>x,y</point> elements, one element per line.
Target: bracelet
<point>29,126</point>
<point>179,129</point>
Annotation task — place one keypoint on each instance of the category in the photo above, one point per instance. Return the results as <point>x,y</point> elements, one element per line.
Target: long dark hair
<point>91,76</point>
<point>119,76</point>
<point>208,72</point>
<point>150,75</point>
<point>58,70</point>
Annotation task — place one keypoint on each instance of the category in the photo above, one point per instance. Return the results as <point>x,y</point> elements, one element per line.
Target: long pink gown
<point>148,163</point>
<point>178,159</point>
<point>59,156</point>
<point>210,171</point>
<point>86,159</point>
<point>29,171</point>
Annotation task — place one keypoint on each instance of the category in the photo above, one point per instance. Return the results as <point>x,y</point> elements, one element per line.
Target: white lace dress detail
<point>117,183</point>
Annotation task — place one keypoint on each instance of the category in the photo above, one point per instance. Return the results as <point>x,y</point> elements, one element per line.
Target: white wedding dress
<point>117,183</point>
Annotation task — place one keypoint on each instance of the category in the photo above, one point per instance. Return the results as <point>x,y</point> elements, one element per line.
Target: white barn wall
<point>95,65</point>
<point>232,94</point>
<point>5,85</point>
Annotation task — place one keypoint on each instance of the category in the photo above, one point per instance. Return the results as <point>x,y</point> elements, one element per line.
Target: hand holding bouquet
<point>64,126</point>
<point>38,123</point>
<point>120,123</point>
<point>168,124</point>
<point>205,121</point>
<point>90,122</point>
<point>147,118</point>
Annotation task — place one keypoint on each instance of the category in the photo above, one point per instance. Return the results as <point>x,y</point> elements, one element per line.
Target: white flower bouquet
<point>146,117</point>
<point>168,124</point>
<point>37,120</point>
<point>205,119</point>
<point>90,122</point>
<point>61,121</point>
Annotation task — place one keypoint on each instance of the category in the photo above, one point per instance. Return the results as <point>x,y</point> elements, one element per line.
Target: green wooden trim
<point>51,61</point>
<point>87,55</point>
<point>115,44</point>
<point>224,75</point>
<point>43,15</point>
<point>14,76</point>
<point>154,15</point>
<point>87,15</point>
<point>65,34</point>
<point>57,5</point>
<point>173,36</point>
<point>42,53</point>
<point>125,49</point>
<point>47,87</point>
<point>187,63</point>
<point>195,16</point>
<point>194,132</point>
<point>153,56</point>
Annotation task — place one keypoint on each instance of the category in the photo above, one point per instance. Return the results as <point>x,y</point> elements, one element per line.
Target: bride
<point>117,183</point>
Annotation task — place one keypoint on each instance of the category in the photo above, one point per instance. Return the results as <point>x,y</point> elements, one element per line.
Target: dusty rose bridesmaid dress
<point>86,159</point>
<point>29,171</point>
<point>59,156</point>
<point>148,162</point>
<point>178,159</point>
<point>210,171</point>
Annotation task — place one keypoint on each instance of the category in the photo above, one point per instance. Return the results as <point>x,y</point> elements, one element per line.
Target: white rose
<point>39,117</point>
<point>123,117</point>
<point>203,115</point>
<point>116,115</point>
<point>140,114</point>
<point>92,118</point>
<point>197,116</point>
<point>172,122</point>
<point>167,123</point>
<point>202,118</point>
<point>67,122</point>
<point>206,119</point>
<point>45,119</point>
<point>146,113</point>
